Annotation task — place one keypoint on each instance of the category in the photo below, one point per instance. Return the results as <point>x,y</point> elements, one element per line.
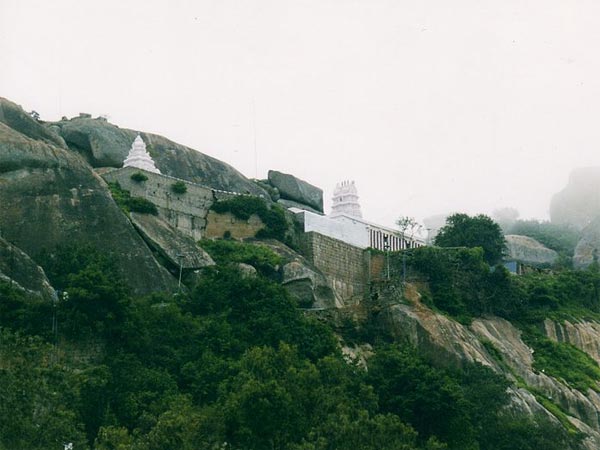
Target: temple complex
<point>345,200</point>
<point>139,157</point>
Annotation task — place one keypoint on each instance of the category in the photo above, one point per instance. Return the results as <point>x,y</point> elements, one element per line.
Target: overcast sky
<point>431,106</point>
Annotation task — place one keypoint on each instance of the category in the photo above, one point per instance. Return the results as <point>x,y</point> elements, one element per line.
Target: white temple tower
<point>139,157</point>
<point>345,200</point>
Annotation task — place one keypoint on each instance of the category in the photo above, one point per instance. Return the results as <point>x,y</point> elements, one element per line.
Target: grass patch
<point>131,204</point>
<point>563,361</point>
<point>556,411</point>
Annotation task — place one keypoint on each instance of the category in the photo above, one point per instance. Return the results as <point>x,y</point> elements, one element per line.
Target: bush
<point>131,204</point>
<point>138,177</point>
<point>179,187</point>
<point>227,251</point>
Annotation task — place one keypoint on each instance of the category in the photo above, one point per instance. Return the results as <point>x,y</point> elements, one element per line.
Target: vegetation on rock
<point>231,361</point>
<point>128,203</point>
<point>179,187</point>
<point>224,252</point>
<point>138,177</point>
<point>243,206</point>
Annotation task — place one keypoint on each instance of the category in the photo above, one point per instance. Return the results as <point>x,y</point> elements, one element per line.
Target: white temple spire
<point>345,200</point>
<point>139,157</point>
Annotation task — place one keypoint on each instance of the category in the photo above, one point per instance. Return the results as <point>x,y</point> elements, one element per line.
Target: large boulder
<point>297,190</point>
<point>306,284</point>
<point>292,204</point>
<point>578,204</point>
<point>529,251</point>
<point>13,116</point>
<point>50,196</point>
<point>588,247</point>
<point>104,144</point>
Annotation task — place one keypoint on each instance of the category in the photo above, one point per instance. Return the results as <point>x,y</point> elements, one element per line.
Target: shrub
<point>179,187</point>
<point>138,177</point>
<point>227,251</point>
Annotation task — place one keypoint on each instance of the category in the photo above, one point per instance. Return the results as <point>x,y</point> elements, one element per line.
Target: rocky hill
<point>248,349</point>
<point>103,144</point>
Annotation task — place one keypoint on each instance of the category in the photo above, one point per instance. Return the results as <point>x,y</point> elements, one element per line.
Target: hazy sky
<point>431,106</point>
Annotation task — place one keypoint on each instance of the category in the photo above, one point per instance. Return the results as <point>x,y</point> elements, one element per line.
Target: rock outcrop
<point>304,282</point>
<point>172,244</point>
<point>104,144</point>
<point>447,342</point>
<point>584,335</point>
<point>578,204</point>
<point>297,190</point>
<point>588,248</point>
<point>292,204</point>
<point>50,196</point>
<point>14,117</point>
<point>19,270</point>
<point>529,251</point>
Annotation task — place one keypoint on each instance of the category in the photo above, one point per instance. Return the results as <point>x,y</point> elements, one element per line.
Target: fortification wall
<point>218,224</point>
<point>344,266</point>
<point>187,212</point>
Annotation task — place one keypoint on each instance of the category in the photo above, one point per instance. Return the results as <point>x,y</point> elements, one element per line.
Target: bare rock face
<point>18,269</point>
<point>446,342</point>
<point>50,196</point>
<point>304,282</point>
<point>176,247</point>
<point>292,204</point>
<point>529,251</point>
<point>588,248</point>
<point>104,144</point>
<point>583,335</point>
<point>578,204</point>
<point>297,190</point>
<point>13,116</point>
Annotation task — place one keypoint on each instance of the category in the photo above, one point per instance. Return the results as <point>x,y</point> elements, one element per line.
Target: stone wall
<point>218,224</point>
<point>187,212</point>
<point>343,264</point>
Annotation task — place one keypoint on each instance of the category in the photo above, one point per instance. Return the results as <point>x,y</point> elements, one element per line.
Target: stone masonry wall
<point>218,224</point>
<point>343,264</point>
<point>187,212</point>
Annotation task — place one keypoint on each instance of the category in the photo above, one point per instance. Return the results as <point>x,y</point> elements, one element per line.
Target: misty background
<point>431,106</point>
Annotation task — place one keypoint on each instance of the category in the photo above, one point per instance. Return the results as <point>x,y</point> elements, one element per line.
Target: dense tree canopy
<point>462,230</point>
<point>234,364</point>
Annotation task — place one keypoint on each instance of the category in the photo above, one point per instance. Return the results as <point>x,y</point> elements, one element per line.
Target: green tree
<point>462,230</point>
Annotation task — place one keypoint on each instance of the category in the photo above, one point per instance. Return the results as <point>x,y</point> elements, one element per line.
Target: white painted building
<point>356,231</point>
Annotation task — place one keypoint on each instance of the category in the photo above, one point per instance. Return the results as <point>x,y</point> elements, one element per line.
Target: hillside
<point>119,329</point>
